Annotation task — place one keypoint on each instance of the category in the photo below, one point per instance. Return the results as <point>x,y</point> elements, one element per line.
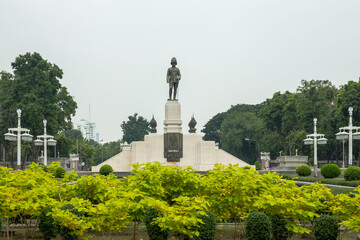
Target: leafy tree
<point>135,128</point>
<point>315,98</point>
<point>231,192</point>
<point>240,133</point>
<point>35,88</point>
<point>272,110</point>
<point>212,128</point>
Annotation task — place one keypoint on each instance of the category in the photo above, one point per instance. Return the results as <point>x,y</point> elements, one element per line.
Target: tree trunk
<point>135,230</point>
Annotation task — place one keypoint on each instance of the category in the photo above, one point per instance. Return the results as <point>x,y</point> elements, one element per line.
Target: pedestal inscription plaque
<point>173,146</point>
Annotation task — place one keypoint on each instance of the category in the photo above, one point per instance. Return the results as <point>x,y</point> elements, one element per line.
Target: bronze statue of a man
<point>173,77</point>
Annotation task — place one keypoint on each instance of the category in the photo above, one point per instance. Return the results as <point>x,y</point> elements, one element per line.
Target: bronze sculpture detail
<point>173,77</point>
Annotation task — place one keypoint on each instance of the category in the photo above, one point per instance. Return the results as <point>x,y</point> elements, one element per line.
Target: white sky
<point>115,54</point>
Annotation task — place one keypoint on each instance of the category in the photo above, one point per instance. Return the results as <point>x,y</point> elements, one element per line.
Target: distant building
<point>88,130</point>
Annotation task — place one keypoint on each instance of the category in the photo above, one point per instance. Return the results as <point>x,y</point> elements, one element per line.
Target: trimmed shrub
<point>208,229</point>
<point>153,230</point>
<point>326,228</point>
<point>106,170</point>
<point>60,172</point>
<point>47,225</point>
<point>257,165</point>
<point>352,173</point>
<point>258,226</point>
<point>330,171</point>
<point>65,232</point>
<point>278,228</point>
<point>303,170</point>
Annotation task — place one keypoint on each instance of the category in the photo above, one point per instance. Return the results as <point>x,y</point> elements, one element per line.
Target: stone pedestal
<point>172,122</point>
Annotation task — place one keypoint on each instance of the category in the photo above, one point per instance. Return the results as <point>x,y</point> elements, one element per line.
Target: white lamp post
<point>48,140</point>
<point>313,139</point>
<point>347,133</point>
<point>22,134</point>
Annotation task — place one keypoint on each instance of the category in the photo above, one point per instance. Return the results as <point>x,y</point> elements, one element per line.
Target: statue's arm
<point>168,76</point>
<point>179,75</point>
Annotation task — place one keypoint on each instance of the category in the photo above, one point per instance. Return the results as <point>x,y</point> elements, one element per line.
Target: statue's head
<point>173,61</point>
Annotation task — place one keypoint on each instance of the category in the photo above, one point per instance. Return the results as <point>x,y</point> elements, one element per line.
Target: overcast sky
<point>115,54</point>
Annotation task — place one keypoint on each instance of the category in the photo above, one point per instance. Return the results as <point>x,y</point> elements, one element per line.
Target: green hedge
<point>153,230</point>
<point>340,182</point>
<point>257,165</point>
<point>60,172</point>
<point>258,226</point>
<point>326,228</point>
<point>106,170</point>
<point>352,173</point>
<point>278,228</point>
<point>47,225</point>
<point>330,171</point>
<point>303,170</point>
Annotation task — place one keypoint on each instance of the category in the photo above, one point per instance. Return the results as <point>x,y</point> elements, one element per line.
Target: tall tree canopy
<point>135,128</point>
<point>35,88</point>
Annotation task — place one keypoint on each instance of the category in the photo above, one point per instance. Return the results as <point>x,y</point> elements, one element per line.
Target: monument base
<point>201,155</point>
<point>172,122</point>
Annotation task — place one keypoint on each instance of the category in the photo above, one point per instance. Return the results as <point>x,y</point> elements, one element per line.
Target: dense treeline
<point>282,122</point>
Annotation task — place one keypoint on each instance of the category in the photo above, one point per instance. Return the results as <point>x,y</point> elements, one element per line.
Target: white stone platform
<point>201,155</point>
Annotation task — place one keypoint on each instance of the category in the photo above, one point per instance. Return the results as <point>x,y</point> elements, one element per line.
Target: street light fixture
<point>313,139</point>
<point>48,140</point>
<point>22,134</point>
<point>347,133</point>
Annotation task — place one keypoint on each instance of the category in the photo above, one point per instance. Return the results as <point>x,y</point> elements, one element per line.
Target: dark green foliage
<point>65,232</point>
<point>46,169</point>
<point>60,172</point>
<point>106,170</point>
<point>258,226</point>
<point>247,167</point>
<point>241,132</point>
<point>47,226</point>
<point>278,228</point>
<point>257,165</point>
<point>153,230</point>
<point>211,129</point>
<point>208,229</point>
<point>330,171</point>
<point>303,170</point>
<point>135,128</point>
<point>352,173</point>
<point>326,227</point>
